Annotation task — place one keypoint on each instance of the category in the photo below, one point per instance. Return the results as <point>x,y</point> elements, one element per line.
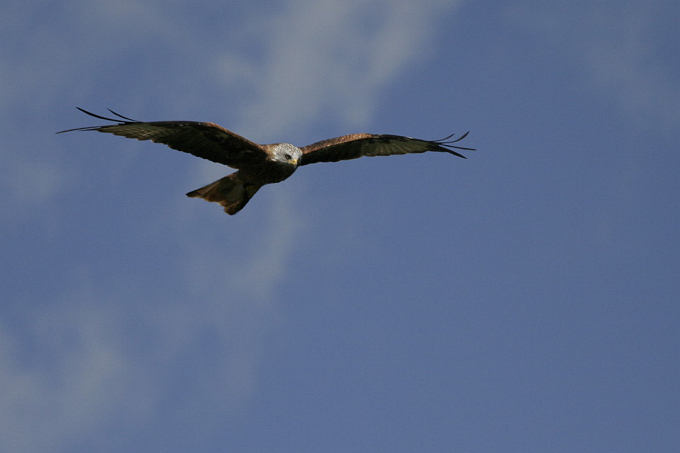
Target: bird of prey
<point>257,164</point>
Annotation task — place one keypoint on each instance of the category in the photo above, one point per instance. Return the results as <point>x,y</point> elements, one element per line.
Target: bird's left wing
<point>206,140</point>
<point>359,145</point>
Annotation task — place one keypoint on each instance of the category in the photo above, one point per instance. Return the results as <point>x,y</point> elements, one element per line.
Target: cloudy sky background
<point>524,299</point>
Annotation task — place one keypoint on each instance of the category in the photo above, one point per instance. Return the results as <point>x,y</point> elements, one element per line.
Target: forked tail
<point>230,192</point>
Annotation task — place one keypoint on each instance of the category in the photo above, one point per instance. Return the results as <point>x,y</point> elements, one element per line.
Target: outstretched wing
<point>359,145</point>
<point>205,140</point>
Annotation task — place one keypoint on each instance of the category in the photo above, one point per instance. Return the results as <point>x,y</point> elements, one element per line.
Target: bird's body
<point>235,190</point>
<point>257,164</point>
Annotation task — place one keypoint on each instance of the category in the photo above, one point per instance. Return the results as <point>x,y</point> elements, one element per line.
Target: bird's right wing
<point>206,140</point>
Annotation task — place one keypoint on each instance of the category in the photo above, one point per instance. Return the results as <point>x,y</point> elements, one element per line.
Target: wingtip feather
<point>123,120</point>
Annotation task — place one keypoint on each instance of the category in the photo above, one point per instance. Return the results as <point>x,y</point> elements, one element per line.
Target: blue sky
<point>522,300</point>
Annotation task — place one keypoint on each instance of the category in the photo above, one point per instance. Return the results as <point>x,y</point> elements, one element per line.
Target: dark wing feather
<point>359,145</point>
<point>206,140</point>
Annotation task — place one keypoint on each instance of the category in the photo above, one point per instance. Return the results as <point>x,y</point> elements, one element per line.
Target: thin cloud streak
<point>332,59</point>
<point>83,378</point>
<point>104,360</point>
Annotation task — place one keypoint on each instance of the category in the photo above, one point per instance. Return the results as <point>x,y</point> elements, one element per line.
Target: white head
<point>285,153</point>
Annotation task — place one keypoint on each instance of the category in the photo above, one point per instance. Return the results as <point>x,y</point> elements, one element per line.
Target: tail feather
<point>230,192</point>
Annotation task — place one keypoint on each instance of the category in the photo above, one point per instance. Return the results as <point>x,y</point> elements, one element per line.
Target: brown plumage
<point>257,164</point>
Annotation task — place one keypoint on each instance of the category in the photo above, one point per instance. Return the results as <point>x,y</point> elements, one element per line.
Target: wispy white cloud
<point>331,59</point>
<point>75,376</point>
<point>319,58</point>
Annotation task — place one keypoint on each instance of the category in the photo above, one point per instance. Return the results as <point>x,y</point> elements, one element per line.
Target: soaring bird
<point>257,164</point>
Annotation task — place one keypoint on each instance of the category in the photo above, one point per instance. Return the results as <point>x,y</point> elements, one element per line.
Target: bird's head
<point>285,153</point>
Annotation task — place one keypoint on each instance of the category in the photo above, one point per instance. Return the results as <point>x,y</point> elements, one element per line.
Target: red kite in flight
<point>257,164</point>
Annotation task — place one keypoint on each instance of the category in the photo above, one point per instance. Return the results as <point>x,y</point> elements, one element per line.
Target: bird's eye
<point>288,156</point>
